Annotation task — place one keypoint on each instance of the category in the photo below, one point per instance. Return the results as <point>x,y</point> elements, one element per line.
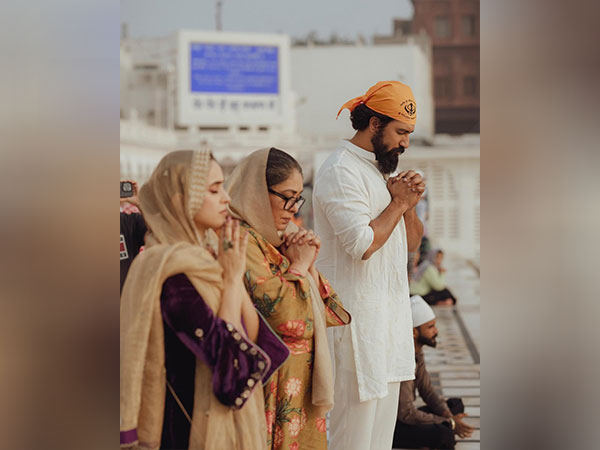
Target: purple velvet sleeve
<point>236,362</point>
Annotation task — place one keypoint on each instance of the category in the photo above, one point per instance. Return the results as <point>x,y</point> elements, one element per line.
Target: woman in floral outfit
<point>296,301</point>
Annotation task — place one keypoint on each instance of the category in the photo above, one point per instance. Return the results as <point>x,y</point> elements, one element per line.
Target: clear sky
<point>346,18</point>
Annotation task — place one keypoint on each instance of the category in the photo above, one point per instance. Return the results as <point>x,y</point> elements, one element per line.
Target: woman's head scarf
<point>429,260</point>
<point>173,195</point>
<point>247,186</point>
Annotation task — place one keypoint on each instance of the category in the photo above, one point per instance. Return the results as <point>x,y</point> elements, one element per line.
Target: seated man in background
<point>434,425</point>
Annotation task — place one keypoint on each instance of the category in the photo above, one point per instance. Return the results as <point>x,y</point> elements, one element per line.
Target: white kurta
<point>349,192</point>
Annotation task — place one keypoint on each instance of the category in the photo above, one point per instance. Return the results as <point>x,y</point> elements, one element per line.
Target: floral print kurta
<point>283,298</point>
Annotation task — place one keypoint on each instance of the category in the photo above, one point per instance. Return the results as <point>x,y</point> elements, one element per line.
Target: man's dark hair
<point>280,166</point>
<point>362,114</point>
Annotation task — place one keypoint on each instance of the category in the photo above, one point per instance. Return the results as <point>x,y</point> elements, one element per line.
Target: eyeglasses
<point>289,201</point>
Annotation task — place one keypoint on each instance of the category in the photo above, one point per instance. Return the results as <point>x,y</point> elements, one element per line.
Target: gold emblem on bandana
<point>410,108</point>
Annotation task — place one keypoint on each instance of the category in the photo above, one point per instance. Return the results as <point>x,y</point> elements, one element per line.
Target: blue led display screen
<point>234,68</point>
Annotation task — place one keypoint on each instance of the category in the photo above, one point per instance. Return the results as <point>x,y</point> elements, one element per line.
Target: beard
<point>387,159</point>
<point>431,342</point>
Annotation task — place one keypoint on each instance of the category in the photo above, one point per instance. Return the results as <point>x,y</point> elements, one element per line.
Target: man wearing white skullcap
<point>421,312</point>
<point>434,425</point>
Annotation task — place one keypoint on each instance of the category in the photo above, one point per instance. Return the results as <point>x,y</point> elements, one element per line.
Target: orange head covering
<point>390,98</point>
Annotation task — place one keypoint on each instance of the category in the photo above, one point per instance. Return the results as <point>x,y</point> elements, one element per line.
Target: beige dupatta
<point>247,186</point>
<point>169,201</point>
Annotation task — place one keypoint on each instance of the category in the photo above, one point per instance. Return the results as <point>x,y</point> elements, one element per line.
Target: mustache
<point>398,150</point>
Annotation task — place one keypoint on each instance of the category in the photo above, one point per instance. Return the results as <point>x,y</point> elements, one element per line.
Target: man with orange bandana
<point>365,216</point>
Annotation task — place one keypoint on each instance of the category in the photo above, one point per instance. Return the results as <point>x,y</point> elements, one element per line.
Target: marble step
<point>461,391</point>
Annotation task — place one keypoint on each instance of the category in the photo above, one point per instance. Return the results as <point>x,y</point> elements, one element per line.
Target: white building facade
<point>326,77</point>
<point>291,97</point>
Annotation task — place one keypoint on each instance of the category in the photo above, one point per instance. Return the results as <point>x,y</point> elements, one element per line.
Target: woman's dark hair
<point>280,166</point>
<point>362,114</point>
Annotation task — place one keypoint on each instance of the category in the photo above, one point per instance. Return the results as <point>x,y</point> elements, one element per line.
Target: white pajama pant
<point>355,425</point>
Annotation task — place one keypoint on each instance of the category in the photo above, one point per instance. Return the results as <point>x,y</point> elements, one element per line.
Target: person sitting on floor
<point>434,425</point>
<point>429,280</point>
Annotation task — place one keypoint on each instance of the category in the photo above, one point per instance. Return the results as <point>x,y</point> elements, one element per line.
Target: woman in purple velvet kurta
<point>194,351</point>
<point>192,331</point>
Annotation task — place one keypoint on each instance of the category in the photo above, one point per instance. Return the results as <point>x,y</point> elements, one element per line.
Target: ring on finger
<point>227,244</point>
